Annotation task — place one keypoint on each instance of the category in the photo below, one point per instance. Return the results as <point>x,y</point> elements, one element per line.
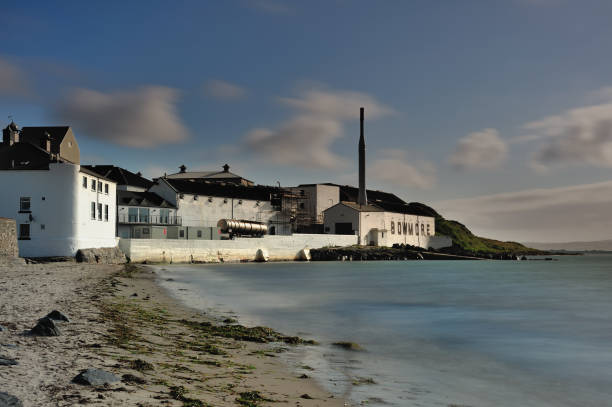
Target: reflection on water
<point>528,333</point>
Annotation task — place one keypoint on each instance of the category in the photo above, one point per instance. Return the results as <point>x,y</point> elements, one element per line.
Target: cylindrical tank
<point>242,227</point>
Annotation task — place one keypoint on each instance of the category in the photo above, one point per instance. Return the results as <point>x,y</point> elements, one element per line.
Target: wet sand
<point>124,323</point>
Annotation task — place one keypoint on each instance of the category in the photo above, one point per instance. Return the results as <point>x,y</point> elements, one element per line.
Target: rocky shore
<point>116,339</point>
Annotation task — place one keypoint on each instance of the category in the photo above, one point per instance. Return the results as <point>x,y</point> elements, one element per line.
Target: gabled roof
<point>351,194</point>
<point>224,190</point>
<point>33,135</point>
<point>120,175</point>
<point>206,175</point>
<point>359,208</point>
<point>144,199</point>
<point>24,156</point>
<point>408,209</point>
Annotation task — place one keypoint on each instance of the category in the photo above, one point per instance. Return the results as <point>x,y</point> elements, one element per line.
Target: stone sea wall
<point>8,238</point>
<point>278,248</point>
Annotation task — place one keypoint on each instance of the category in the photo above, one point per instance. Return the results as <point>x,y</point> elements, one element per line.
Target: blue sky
<point>471,106</point>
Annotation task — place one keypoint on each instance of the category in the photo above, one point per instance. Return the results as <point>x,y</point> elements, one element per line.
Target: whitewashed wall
<point>240,249</point>
<point>59,223</point>
<point>90,232</point>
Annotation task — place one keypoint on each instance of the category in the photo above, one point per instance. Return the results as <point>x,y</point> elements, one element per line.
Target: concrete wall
<point>318,198</point>
<point>240,249</point>
<point>8,238</point>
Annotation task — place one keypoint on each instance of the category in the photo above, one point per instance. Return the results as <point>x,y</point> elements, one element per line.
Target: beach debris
<point>95,377</point>
<point>229,321</point>
<point>306,396</point>
<point>140,365</point>
<point>8,400</point>
<point>348,345</point>
<point>7,362</point>
<point>2,328</point>
<point>178,393</point>
<point>9,345</point>
<point>304,376</point>
<point>130,378</point>
<point>358,381</point>
<point>57,316</point>
<point>251,398</point>
<point>45,327</point>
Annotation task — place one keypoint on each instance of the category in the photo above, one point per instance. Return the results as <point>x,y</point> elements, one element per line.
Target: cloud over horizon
<point>580,136</point>
<point>544,214</point>
<point>306,138</point>
<point>395,168</point>
<point>13,81</point>
<point>145,117</point>
<point>479,150</point>
<point>224,91</point>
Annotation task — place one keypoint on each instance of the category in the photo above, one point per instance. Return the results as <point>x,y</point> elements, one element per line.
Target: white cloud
<point>578,136</point>
<point>225,91</point>
<point>394,167</point>
<point>305,140</point>
<point>481,149</point>
<point>579,212</point>
<point>12,80</point>
<point>144,117</point>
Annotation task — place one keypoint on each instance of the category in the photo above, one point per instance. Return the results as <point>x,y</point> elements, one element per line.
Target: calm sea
<point>435,333</point>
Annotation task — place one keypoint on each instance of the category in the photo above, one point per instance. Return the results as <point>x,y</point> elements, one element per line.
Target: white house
<point>59,207</point>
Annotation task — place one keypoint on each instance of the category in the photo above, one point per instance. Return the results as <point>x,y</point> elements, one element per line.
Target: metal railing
<point>150,220</point>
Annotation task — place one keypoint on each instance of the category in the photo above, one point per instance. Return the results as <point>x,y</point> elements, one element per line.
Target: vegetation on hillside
<point>465,242</point>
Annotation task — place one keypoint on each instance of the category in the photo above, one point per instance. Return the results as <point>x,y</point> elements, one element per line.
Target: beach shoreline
<point>124,322</point>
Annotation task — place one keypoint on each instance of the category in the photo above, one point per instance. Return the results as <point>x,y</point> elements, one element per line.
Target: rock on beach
<point>95,377</point>
<point>7,400</point>
<point>45,327</point>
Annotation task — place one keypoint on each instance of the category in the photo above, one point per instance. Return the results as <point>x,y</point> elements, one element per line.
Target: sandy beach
<point>123,323</point>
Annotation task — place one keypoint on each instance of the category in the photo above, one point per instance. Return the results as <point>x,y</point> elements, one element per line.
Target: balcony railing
<point>150,220</point>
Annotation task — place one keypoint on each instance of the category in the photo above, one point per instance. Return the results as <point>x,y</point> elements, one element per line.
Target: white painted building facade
<point>59,210</point>
<point>374,226</point>
<point>205,210</point>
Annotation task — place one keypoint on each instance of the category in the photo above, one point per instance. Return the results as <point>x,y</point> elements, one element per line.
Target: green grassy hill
<point>465,242</point>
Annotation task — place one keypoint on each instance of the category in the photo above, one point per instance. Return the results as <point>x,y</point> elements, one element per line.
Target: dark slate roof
<point>144,199</point>
<point>87,171</point>
<point>33,135</point>
<point>120,175</point>
<point>360,208</point>
<point>24,156</point>
<point>225,190</point>
<point>409,209</point>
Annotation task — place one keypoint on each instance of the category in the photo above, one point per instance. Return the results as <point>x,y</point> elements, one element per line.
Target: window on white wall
<point>84,182</point>
<point>99,211</point>
<point>24,204</point>
<point>24,231</point>
<point>93,184</point>
<point>106,189</point>
<point>93,211</point>
<point>106,213</point>
<point>99,186</point>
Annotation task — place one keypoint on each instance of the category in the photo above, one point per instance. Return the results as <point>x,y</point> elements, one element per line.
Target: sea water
<point>434,333</point>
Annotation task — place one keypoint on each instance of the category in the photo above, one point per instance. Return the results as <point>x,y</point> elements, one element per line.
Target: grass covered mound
<point>465,242</point>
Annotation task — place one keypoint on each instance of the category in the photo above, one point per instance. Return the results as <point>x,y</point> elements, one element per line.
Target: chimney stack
<point>363,199</point>
<point>10,135</point>
<point>46,142</point>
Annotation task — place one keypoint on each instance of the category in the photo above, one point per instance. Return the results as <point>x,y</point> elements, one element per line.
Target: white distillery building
<point>203,204</point>
<point>59,207</point>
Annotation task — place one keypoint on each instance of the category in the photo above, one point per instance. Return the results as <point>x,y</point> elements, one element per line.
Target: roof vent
<point>182,168</point>
<point>226,168</point>
<point>139,174</point>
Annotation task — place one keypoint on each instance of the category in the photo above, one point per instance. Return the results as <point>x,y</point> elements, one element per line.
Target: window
<point>84,182</point>
<point>42,227</point>
<point>106,213</point>
<point>146,231</point>
<point>164,215</point>
<point>99,211</point>
<point>24,204</point>
<point>106,189</point>
<point>93,184</point>
<point>181,233</point>
<point>24,231</point>
<point>93,211</point>
<point>99,186</point>
<point>199,233</point>
<point>132,215</point>
<point>143,215</point>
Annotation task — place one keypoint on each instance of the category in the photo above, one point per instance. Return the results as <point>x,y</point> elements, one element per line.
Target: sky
<point>497,113</point>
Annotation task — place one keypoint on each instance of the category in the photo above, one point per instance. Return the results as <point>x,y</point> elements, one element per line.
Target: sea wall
<point>214,251</point>
<point>8,238</point>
